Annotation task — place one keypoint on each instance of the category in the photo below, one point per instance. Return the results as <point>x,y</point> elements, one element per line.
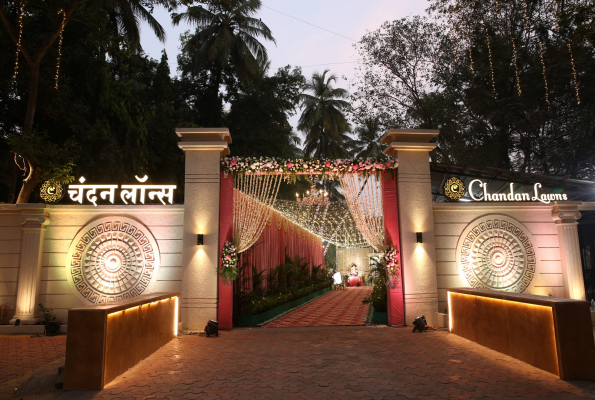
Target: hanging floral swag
<point>393,269</point>
<point>293,167</point>
<point>229,263</point>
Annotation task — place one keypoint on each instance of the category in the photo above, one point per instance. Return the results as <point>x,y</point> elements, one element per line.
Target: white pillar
<point>204,148</point>
<point>34,219</point>
<point>566,217</point>
<point>414,196</point>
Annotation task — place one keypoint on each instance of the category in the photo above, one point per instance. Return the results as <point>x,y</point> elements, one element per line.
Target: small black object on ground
<point>420,324</point>
<point>212,328</point>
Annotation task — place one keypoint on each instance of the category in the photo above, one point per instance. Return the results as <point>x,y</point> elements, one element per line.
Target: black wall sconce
<point>419,238</point>
<point>200,239</point>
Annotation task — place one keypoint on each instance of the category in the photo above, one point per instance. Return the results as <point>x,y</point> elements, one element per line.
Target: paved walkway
<point>22,355</point>
<point>337,308</point>
<point>366,362</point>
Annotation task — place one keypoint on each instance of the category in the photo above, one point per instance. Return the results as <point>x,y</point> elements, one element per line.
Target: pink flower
<point>355,167</point>
<point>228,257</point>
<point>327,164</point>
<point>289,165</point>
<point>233,162</point>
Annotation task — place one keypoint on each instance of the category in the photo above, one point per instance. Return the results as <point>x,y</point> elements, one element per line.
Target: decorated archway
<point>248,210</point>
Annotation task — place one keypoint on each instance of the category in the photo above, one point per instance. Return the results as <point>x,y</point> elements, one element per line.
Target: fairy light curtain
<point>253,197</point>
<point>364,198</point>
<point>331,222</point>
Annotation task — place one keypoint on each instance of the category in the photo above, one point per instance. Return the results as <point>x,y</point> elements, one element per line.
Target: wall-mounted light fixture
<point>200,239</point>
<point>419,238</point>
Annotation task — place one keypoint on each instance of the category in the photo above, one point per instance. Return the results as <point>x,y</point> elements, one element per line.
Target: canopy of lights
<point>330,220</point>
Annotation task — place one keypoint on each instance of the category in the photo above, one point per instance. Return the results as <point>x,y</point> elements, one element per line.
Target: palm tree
<point>367,140</point>
<point>226,34</point>
<point>322,120</point>
<point>125,14</point>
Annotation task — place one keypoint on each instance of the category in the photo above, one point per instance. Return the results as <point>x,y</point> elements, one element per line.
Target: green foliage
<point>259,117</point>
<point>6,313</point>
<point>440,73</point>
<point>379,296</point>
<point>47,314</point>
<point>322,119</point>
<point>293,279</point>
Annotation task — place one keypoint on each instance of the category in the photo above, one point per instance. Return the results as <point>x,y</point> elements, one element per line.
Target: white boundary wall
<point>164,222</point>
<point>451,219</point>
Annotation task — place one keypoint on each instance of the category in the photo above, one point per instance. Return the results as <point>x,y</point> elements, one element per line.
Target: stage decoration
<point>292,167</point>
<point>390,256</point>
<point>313,197</point>
<point>253,198</point>
<point>353,270</point>
<point>454,188</point>
<point>112,258</point>
<point>60,46</point>
<point>497,253</point>
<point>19,41</point>
<point>364,199</point>
<point>52,191</point>
<point>229,263</point>
<point>332,222</point>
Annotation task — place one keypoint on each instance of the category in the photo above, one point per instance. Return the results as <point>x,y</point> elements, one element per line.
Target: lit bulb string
<point>547,94</point>
<point>60,46</point>
<point>578,97</point>
<point>16,62</point>
<point>516,68</point>
<point>491,63</point>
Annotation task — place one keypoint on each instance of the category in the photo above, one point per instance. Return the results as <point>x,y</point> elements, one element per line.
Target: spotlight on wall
<point>200,239</point>
<point>419,238</point>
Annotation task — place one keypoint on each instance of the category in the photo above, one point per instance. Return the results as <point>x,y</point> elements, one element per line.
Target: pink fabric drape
<point>225,292</point>
<point>281,236</point>
<point>396,309</point>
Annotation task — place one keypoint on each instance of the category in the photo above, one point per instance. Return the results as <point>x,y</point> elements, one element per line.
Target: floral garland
<point>393,269</point>
<point>229,261</point>
<point>295,166</point>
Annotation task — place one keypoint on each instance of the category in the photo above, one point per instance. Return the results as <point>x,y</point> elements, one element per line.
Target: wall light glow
<point>449,315</point>
<point>176,318</point>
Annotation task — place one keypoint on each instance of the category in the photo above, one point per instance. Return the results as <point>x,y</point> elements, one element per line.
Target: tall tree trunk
<point>29,183</point>
<point>34,175</point>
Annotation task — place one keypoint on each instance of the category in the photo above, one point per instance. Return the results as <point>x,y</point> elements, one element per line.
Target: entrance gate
<point>407,209</point>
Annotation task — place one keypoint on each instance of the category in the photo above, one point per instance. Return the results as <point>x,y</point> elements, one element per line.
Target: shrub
<point>6,313</point>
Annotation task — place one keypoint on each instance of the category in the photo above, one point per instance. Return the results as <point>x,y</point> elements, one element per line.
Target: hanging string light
<point>16,62</point>
<point>516,68</point>
<point>491,63</point>
<point>525,9</point>
<point>60,46</point>
<point>578,97</point>
<point>547,91</point>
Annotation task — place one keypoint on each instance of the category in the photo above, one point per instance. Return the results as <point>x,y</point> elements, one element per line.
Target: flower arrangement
<point>229,263</point>
<point>393,269</point>
<point>264,165</point>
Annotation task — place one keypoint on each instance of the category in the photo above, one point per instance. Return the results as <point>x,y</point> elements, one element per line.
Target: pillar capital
<point>566,214</point>
<point>204,139</point>
<point>409,140</point>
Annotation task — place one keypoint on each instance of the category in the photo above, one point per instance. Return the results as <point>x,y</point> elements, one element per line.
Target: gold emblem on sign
<point>51,191</point>
<point>454,188</point>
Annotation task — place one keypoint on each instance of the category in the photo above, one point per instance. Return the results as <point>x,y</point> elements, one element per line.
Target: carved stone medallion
<point>454,188</point>
<point>497,252</point>
<point>112,258</point>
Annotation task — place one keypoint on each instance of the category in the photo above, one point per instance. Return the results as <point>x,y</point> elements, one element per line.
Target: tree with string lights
<point>35,28</point>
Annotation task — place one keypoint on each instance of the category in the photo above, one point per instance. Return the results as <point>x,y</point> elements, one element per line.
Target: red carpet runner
<point>340,307</point>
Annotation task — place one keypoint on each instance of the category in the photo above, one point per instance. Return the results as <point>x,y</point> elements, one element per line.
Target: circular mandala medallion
<point>497,252</point>
<point>454,188</point>
<point>52,191</point>
<point>112,258</point>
